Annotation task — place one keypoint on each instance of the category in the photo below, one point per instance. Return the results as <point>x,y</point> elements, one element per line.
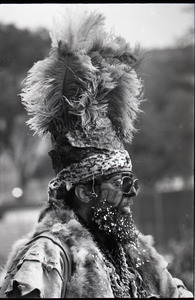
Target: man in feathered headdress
<point>86,95</point>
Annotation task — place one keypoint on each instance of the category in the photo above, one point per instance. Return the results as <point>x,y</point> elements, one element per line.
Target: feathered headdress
<point>86,94</point>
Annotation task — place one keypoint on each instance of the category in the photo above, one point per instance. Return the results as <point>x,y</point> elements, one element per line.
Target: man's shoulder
<point>44,254</point>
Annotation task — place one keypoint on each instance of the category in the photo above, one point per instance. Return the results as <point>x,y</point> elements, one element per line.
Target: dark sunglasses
<point>127,184</point>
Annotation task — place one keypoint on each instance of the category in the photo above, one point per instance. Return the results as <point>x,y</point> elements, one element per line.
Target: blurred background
<point>162,150</point>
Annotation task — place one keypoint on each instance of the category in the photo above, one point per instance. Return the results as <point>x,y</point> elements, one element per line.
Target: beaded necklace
<point>126,282</point>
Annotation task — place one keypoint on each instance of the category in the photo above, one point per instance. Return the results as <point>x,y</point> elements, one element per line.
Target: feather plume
<point>89,76</point>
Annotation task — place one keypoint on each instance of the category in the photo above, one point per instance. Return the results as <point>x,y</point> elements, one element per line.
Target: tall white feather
<point>87,77</point>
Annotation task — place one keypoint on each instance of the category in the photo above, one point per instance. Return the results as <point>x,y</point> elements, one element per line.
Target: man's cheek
<point>112,197</point>
<point>115,197</point>
<point>104,194</point>
<point>105,190</point>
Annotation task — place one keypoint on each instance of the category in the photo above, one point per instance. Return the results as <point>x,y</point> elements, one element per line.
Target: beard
<point>114,222</point>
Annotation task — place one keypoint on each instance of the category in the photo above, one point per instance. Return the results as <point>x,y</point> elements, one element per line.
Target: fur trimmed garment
<point>38,264</point>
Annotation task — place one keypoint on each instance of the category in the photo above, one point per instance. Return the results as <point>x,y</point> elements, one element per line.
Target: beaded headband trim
<point>91,167</point>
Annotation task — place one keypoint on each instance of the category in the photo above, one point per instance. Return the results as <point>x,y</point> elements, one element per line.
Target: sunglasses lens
<point>127,185</point>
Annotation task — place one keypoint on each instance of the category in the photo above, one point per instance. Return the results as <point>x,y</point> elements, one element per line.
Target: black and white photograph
<point>97,150</point>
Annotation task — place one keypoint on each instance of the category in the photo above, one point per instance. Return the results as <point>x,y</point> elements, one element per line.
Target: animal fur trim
<point>90,277</point>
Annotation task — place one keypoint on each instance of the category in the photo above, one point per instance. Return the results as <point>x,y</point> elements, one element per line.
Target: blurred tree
<point>188,38</point>
<point>29,153</point>
<point>164,145</point>
<point>19,49</point>
<point>23,151</point>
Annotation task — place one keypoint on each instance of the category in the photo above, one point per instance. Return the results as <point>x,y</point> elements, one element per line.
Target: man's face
<point>111,212</point>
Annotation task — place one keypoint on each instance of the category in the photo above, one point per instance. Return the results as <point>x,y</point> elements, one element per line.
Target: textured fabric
<point>41,267</point>
<point>91,167</point>
<point>90,277</point>
<point>153,268</point>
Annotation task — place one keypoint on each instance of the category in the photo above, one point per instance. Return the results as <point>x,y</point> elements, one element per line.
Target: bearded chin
<point>115,222</point>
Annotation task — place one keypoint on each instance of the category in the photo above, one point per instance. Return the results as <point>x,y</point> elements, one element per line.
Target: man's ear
<point>82,193</point>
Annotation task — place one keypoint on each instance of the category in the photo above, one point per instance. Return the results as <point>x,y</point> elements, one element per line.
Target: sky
<point>150,25</point>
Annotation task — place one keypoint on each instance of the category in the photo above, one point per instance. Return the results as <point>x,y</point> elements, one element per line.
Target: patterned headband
<point>90,168</point>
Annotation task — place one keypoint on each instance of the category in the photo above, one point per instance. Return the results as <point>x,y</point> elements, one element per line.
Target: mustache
<point>124,207</point>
